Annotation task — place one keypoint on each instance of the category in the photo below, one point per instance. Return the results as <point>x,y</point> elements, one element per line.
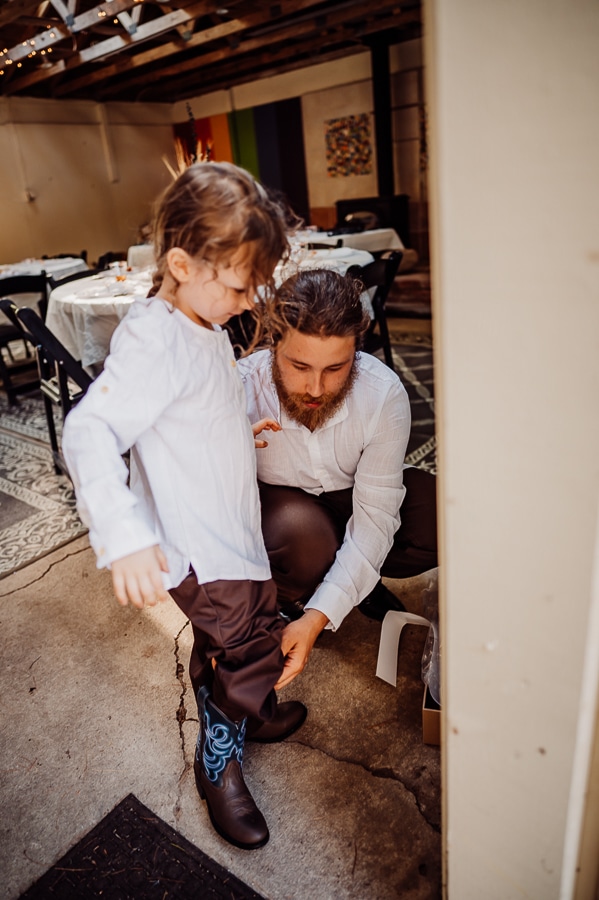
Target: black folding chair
<point>81,255</point>
<point>379,274</point>
<point>63,380</point>
<point>74,276</point>
<point>15,285</point>
<point>111,256</point>
<point>18,372</point>
<point>316,245</point>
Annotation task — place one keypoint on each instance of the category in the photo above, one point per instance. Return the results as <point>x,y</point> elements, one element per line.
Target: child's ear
<point>180,264</point>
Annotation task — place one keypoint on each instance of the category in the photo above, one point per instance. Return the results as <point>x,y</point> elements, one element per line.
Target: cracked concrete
<point>96,703</point>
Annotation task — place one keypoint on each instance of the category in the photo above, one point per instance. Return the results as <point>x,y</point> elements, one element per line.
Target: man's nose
<point>315,384</point>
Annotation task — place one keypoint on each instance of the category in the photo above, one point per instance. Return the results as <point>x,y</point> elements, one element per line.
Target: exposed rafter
<point>129,49</point>
<point>259,56</point>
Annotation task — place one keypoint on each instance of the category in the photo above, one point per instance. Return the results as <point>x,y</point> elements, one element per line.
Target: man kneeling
<point>332,477</point>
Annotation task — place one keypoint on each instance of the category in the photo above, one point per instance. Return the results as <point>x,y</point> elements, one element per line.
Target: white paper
<point>393,624</point>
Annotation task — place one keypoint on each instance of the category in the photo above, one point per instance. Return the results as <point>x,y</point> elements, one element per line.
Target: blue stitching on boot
<point>221,744</point>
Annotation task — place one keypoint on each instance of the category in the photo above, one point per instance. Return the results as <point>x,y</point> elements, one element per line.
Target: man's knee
<point>299,535</point>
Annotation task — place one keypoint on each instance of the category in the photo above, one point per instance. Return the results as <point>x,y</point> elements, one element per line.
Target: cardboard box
<point>431,719</point>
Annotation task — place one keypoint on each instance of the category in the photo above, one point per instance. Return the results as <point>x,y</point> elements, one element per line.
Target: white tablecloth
<point>57,268</point>
<point>374,241</point>
<point>337,258</point>
<point>84,313</point>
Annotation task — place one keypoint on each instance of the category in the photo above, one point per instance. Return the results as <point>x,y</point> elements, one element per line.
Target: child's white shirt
<point>171,392</point>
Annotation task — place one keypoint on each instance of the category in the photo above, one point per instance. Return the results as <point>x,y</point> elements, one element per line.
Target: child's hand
<point>264,425</point>
<point>136,578</point>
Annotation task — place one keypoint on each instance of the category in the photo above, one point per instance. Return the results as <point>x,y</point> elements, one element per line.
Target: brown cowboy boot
<point>287,719</point>
<point>219,778</point>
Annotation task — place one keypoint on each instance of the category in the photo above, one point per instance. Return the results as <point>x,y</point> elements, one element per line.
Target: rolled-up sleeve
<point>377,497</point>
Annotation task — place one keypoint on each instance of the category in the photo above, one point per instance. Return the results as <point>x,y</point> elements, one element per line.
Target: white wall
<point>513,102</point>
<point>317,109</point>
<point>78,175</point>
<point>332,90</point>
<point>278,87</point>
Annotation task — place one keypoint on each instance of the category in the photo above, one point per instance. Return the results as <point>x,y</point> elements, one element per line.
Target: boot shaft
<point>220,740</point>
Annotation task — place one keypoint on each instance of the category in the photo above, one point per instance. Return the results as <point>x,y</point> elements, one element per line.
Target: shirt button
<point>233,363</point>
<point>104,389</point>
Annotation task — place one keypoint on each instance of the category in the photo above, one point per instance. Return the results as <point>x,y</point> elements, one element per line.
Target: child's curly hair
<point>210,211</point>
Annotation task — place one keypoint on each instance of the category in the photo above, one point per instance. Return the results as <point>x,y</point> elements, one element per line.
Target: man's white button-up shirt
<point>362,446</point>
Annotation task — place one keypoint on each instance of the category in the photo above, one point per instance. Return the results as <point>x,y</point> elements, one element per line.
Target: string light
<point>102,13</point>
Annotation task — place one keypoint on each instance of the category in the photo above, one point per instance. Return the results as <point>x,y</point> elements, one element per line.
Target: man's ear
<point>180,264</point>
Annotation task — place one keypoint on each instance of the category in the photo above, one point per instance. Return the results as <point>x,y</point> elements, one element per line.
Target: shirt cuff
<point>333,602</point>
<point>128,535</point>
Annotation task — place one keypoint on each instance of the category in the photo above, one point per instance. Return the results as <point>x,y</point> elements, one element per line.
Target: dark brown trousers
<point>235,623</point>
<point>303,532</point>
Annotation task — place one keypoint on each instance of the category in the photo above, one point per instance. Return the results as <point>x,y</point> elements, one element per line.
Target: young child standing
<point>187,518</point>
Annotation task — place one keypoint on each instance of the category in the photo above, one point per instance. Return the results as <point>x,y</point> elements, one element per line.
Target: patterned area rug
<point>37,506</point>
<point>414,365</point>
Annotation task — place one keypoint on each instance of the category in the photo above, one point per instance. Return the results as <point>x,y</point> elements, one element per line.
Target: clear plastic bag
<point>431,674</point>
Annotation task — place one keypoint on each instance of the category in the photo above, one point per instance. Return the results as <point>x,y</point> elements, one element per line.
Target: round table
<point>83,314</point>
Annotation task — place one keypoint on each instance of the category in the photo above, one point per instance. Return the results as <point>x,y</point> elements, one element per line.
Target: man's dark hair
<point>320,302</point>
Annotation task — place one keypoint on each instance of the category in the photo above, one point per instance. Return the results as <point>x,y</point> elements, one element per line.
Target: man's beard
<point>295,404</point>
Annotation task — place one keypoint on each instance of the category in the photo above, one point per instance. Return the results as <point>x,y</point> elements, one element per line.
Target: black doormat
<point>132,854</point>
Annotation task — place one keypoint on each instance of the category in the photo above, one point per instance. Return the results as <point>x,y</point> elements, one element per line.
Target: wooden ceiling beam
<point>70,25</point>
<point>304,53</point>
<point>292,32</point>
<point>37,21</point>
<point>298,57</point>
<point>111,45</point>
<point>134,63</point>
<point>12,11</point>
<point>259,38</point>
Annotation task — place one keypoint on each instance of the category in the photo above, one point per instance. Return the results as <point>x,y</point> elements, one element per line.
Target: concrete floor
<point>95,704</point>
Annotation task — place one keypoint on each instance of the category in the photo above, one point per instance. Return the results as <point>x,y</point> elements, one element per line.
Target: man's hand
<point>264,425</point>
<point>298,640</point>
<point>136,578</point>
